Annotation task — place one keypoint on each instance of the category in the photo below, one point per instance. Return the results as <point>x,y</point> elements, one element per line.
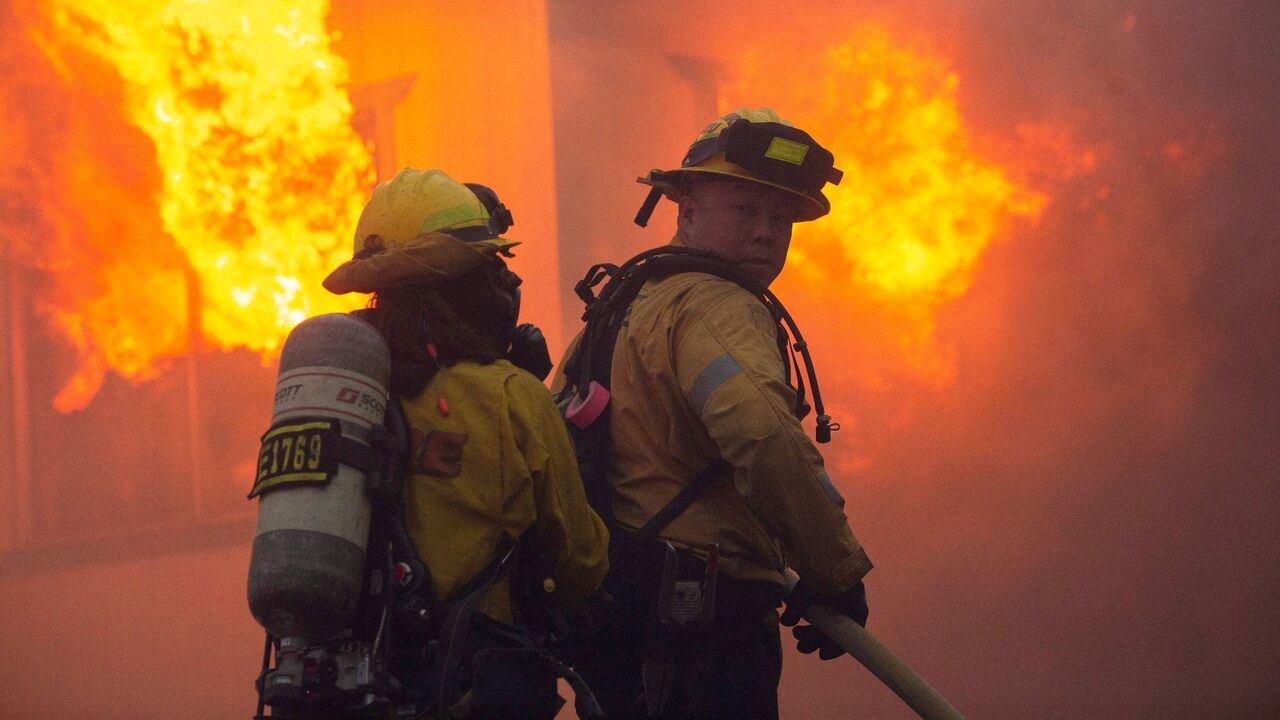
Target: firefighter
<point>715,488</point>
<point>489,460</point>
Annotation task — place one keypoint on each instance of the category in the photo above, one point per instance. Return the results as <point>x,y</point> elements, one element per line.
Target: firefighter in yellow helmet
<point>489,461</point>
<point>714,486</point>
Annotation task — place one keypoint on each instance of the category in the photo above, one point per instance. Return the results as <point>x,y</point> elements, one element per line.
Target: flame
<point>255,173</point>
<point>918,205</point>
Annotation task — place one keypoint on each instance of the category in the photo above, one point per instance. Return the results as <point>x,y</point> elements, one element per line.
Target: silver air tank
<point>306,571</point>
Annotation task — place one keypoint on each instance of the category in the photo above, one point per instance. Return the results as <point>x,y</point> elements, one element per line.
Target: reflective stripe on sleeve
<point>712,377</point>
<point>830,489</point>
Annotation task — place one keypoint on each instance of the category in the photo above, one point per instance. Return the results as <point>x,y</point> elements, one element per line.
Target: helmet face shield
<point>500,218</point>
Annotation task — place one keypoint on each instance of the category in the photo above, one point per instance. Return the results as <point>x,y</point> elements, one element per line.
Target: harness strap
<point>455,627</point>
<point>358,455</point>
<point>683,499</point>
<point>388,502</point>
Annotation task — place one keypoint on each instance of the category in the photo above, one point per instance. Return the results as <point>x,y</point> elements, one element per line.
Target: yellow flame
<point>917,206</point>
<point>261,175</point>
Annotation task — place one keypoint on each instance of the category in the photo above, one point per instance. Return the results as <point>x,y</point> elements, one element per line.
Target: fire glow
<point>260,175</point>
<point>257,179</point>
<point>917,206</point>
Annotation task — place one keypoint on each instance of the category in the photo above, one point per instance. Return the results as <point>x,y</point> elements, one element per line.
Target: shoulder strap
<point>455,628</point>
<point>386,487</point>
<point>684,499</point>
<point>605,311</point>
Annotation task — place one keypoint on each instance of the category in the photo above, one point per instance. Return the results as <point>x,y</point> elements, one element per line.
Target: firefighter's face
<point>741,221</point>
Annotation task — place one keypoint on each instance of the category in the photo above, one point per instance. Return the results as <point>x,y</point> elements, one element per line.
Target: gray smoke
<point>1084,523</point>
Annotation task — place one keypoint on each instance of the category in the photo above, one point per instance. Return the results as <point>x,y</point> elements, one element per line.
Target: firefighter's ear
<point>686,207</point>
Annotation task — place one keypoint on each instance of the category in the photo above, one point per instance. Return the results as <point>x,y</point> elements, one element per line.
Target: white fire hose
<point>862,645</point>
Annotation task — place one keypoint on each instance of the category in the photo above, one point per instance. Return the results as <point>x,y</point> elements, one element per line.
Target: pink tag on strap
<point>584,411</point>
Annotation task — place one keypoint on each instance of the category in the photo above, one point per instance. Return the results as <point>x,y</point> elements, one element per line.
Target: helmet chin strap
<point>646,210</point>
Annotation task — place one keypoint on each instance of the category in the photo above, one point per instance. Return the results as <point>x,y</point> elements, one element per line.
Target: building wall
<point>153,623</point>
<point>479,108</point>
<point>624,104</point>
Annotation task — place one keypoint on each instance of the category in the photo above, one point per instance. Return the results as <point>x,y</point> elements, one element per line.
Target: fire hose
<point>889,668</point>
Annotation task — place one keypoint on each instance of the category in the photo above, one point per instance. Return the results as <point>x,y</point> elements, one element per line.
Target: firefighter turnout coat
<point>490,458</point>
<point>696,376</point>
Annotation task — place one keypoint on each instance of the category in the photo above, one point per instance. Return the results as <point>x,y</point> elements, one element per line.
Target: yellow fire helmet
<point>421,226</point>
<point>755,145</point>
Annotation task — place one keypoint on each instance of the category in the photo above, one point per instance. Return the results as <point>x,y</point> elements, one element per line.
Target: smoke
<point>1109,466</point>
<point>1082,523</point>
<point>1090,512</point>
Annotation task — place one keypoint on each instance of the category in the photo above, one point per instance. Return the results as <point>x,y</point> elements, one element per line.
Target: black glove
<point>852,605</point>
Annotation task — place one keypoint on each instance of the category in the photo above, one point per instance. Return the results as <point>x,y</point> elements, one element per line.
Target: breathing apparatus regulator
<point>334,578</point>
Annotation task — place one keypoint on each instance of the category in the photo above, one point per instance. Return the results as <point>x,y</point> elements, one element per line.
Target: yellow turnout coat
<point>697,376</point>
<point>496,464</point>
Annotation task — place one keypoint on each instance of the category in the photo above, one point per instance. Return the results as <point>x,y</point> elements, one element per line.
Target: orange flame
<point>259,177</point>
<point>917,206</point>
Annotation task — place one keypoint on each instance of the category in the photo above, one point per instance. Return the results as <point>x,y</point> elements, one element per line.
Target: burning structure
<point>1043,303</point>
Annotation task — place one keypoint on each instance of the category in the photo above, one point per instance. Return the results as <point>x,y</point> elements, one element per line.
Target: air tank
<point>306,570</point>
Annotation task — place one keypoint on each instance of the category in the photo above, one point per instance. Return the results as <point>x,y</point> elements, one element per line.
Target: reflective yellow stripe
<point>830,489</point>
<point>463,215</point>
<point>787,151</point>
